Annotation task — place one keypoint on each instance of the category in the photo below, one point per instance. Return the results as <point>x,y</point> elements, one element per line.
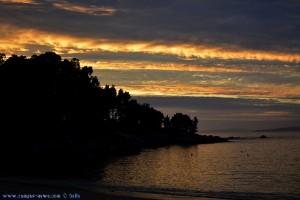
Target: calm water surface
<point>247,168</point>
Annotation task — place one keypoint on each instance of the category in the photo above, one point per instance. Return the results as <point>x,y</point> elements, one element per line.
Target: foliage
<point>61,96</point>
<point>183,123</point>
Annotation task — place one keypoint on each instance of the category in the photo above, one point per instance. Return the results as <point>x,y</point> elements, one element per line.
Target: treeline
<point>47,94</point>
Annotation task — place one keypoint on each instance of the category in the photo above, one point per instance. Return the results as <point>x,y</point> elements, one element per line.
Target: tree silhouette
<point>183,123</point>
<point>2,58</point>
<point>46,92</point>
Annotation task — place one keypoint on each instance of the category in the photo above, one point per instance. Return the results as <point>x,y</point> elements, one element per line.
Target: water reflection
<point>270,165</point>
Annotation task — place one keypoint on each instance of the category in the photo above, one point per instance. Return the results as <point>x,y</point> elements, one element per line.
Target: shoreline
<point>17,186</point>
<point>57,192</point>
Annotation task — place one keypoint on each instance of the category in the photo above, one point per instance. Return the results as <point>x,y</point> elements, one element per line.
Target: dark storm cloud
<point>256,25</point>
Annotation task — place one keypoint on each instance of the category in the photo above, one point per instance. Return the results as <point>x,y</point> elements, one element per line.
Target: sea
<point>245,168</point>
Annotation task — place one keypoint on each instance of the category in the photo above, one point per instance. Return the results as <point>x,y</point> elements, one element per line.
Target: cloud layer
<point>247,49</point>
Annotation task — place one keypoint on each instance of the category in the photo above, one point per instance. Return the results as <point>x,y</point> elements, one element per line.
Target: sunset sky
<point>231,63</point>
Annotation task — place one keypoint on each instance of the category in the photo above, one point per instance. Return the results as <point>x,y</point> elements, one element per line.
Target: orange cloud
<point>20,41</point>
<point>19,1</point>
<point>91,10</point>
<point>164,88</point>
<point>19,38</point>
<point>134,65</point>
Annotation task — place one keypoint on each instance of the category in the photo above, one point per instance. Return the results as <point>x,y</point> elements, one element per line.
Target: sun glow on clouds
<point>135,65</point>
<point>19,1</point>
<point>68,44</point>
<point>223,80</point>
<point>91,10</point>
<point>164,89</point>
<point>143,83</point>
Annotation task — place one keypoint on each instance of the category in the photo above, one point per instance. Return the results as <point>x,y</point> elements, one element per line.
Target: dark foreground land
<point>58,156</point>
<point>57,121</point>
